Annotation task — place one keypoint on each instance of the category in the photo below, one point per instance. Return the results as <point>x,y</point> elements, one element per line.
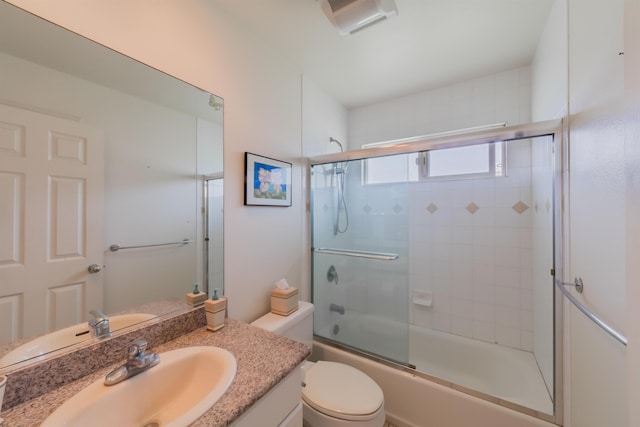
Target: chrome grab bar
<point>578,285</point>
<point>115,248</point>
<point>359,254</point>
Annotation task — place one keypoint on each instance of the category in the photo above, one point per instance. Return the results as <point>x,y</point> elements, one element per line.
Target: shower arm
<point>332,140</point>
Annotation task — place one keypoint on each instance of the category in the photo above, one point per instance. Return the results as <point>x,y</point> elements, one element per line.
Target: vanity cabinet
<point>280,407</point>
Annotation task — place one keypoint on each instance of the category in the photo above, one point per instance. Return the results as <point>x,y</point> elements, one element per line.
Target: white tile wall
<point>477,265</point>
<point>474,260</point>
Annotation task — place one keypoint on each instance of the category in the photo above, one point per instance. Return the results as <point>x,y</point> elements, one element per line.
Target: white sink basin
<point>66,337</point>
<point>176,392</point>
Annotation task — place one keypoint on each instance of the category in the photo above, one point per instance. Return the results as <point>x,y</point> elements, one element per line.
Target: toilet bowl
<point>338,395</point>
<point>333,394</point>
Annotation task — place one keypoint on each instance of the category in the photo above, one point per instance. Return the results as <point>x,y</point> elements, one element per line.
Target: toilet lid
<point>341,391</point>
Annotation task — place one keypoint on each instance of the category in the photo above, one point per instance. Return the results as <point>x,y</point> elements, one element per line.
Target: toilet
<point>333,394</point>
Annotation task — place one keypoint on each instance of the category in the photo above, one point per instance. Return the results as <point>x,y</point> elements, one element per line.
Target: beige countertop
<point>263,360</point>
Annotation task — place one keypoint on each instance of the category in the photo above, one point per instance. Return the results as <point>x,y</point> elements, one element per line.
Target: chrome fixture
<point>332,140</point>
<point>336,308</point>
<point>332,275</point>
<point>579,286</point>
<point>341,204</point>
<point>138,360</point>
<point>116,248</point>
<point>382,256</point>
<point>94,268</point>
<point>99,324</point>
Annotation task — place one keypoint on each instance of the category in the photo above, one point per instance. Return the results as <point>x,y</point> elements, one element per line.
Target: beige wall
<point>262,93</point>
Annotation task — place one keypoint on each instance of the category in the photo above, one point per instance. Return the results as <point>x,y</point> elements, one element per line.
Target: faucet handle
<point>97,315</point>
<point>138,347</point>
<point>99,323</point>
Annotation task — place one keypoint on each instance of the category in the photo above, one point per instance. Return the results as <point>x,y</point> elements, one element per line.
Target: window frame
<point>424,166</point>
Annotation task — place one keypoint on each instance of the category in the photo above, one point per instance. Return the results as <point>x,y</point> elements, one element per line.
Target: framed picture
<point>267,182</point>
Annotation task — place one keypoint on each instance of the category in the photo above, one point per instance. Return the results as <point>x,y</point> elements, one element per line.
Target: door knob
<point>94,268</point>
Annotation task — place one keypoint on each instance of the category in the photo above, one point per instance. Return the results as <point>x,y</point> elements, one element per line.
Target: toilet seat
<point>341,391</point>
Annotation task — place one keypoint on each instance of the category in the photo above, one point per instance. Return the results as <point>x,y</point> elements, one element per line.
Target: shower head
<point>332,140</point>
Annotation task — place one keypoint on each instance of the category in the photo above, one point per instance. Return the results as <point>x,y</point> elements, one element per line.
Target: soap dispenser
<point>197,297</point>
<point>216,309</point>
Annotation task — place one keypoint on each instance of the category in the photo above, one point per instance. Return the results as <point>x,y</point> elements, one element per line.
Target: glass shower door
<point>455,257</point>
<point>360,247</point>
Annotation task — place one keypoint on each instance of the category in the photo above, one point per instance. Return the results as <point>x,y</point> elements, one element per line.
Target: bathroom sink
<point>176,392</point>
<point>66,337</point>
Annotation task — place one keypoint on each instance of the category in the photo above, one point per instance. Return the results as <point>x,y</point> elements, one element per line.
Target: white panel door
<point>51,207</point>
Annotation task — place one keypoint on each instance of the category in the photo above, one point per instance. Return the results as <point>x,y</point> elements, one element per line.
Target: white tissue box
<point>284,301</point>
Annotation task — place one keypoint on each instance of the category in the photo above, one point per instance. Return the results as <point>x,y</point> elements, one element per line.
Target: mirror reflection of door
<point>51,209</point>
<point>154,161</point>
<point>213,232</point>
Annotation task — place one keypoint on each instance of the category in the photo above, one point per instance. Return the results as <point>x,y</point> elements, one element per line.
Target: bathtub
<point>458,381</point>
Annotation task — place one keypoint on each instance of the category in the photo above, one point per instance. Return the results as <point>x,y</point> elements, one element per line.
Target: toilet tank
<point>297,326</point>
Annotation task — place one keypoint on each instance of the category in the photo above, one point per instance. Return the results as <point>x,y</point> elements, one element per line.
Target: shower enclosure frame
<point>550,128</point>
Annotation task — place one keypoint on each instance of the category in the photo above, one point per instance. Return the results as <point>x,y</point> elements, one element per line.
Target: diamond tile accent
<point>397,208</point>
<point>472,208</point>
<point>520,207</point>
<point>432,208</point>
<point>367,209</point>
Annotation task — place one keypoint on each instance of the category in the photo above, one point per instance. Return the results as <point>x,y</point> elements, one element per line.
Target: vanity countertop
<point>263,360</point>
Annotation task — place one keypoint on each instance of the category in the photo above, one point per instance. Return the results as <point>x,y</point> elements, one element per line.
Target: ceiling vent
<point>351,16</point>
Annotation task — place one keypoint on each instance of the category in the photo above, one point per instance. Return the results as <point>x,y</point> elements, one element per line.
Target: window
<point>473,161</point>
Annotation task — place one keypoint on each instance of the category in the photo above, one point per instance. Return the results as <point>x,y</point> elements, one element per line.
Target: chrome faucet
<point>99,324</point>
<point>138,360</point>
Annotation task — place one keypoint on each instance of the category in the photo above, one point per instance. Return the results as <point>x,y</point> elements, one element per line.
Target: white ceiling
<point>430,43</point>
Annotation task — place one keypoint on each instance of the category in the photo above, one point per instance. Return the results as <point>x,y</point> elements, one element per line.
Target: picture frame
<point>267,181</point>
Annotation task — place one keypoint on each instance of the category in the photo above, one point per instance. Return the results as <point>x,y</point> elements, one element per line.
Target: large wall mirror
<point>98,150</point>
